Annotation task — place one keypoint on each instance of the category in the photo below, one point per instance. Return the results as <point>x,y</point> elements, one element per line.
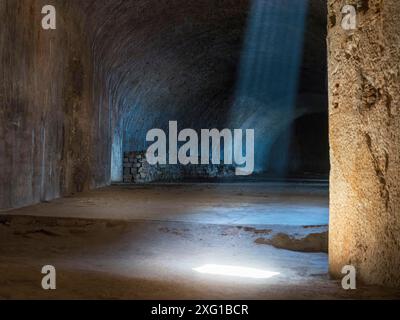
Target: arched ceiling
<point>166,60</point>
<point>161,60</point>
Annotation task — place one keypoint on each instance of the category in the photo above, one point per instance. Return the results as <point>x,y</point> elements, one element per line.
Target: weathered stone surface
<point>313,242</point>
<point>140,171</point>
<point>49,128</point>
<point>364,81</point>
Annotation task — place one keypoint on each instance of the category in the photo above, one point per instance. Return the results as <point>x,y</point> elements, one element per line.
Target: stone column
<point>364,113</point>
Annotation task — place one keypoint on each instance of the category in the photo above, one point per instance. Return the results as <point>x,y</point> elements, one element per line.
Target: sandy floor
<point>145,242</point>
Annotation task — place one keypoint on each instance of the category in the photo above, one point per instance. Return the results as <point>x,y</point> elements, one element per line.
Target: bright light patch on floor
<point>236,271</point>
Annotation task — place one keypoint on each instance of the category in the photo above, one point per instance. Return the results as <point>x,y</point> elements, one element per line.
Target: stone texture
<point>364,113</point>
<point>312,242</point>
<point>140,171</point>
<point>49,128</point>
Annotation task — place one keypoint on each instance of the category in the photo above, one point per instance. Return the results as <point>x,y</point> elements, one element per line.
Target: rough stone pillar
<point>364,111</point>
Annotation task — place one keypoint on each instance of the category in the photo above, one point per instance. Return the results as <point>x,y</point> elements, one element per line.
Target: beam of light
<point>266,90</point>
<point>117,157</point>
<point>234,271</point>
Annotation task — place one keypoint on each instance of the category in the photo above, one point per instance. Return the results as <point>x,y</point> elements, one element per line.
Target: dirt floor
<point>145,242</point>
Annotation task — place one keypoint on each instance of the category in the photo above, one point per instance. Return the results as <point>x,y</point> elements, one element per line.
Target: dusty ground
<point>144,242</point>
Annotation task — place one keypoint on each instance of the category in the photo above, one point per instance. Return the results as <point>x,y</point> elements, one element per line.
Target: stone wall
<point>364,84</point>
<point>53,139</point>
<point>138,170</point>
